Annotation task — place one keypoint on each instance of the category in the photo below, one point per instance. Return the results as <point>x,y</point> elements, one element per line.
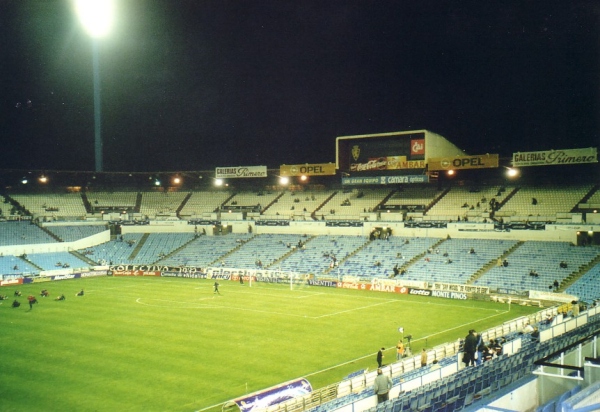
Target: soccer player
<point>31,299</point>
<point>216,288</point>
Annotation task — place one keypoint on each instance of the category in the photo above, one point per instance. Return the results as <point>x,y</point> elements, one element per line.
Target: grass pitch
<point>164,344</point>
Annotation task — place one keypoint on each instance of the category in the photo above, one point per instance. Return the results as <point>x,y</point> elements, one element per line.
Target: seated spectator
<point>496,346</point>
<point>489,351</point>
<point>16,303</point>
<point>528,329</point>
<point>549,319</point>
<point>536,333</point>
<point>80,293</point>
<point>17,293</point>
<point>3,297</point>
<point>61,297</point>
<point>44,293</point>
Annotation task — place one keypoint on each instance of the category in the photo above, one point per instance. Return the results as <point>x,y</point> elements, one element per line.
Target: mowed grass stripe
<point>111,350</point>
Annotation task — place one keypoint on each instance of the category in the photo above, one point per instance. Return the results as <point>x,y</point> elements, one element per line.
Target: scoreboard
<point>375,155</point>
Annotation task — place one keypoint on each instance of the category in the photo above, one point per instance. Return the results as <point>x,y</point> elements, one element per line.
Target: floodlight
<point>96,16</point>
<point>283,180</point>
<point>511,172</point>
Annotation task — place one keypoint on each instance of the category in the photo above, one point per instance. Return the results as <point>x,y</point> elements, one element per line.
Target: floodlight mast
<point>96,16</point>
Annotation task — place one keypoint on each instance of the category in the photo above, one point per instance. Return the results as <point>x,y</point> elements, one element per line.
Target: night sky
<point>191,85</point>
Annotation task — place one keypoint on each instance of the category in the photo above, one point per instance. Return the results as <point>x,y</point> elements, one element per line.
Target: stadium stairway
<point>86,202</point>
<point>30,262</point>
<point>508,197</point>
<point>175,251</point>
<point>385,199</point>
<point>139,246</point>
<point>314,213</point>
<point>83,257</point>
<point>292,251</point>
<point>437,199</point>
<point>491,264</point>
<point>49,233</point>
<point>347,257</point>
<point>279,196</point>
<point>138,203</point>
<point>421,255</point>
<point>235,249</point>
<point>576,275</point>
<point>182,205</point>
<point>585,198</point>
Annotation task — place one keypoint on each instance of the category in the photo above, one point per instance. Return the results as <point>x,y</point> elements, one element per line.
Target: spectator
<point>380,357</point>
<point>382,386</point>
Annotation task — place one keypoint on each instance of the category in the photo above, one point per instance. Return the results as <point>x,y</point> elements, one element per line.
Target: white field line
<point>374,353</point>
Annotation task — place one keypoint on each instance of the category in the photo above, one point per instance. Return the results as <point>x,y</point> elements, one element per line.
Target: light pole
<point>96,16</point>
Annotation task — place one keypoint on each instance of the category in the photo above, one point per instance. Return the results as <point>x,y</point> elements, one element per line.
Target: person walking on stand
<point>382,386</point>
<point>423,358</point>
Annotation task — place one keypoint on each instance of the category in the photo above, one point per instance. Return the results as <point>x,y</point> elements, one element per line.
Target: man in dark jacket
<point>380,357</point>
<point>470,348</point>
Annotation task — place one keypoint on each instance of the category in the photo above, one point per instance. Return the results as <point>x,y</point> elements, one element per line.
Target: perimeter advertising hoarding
<point>385,180</point>
<point>317,169</point>
<point>556,157</point>
<point>463,162</point>
<point>260,401</point>
<point>240,171</point>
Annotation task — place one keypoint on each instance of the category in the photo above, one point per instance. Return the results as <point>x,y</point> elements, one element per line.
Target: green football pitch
<point>170,344</point>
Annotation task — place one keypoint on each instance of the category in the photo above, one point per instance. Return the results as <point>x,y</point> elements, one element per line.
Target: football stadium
<point>293,289</point>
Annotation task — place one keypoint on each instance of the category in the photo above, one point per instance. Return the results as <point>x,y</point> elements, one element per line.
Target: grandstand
<point>438,238</point>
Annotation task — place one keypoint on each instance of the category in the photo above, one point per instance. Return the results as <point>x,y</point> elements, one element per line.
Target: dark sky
<point>191,85</point>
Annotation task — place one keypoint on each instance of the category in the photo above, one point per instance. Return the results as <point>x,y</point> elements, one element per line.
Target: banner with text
<point>384,180</point>
<point>319,169</point>
<point>240,171</point>
<point>463,162</point>
<point>556,157</point>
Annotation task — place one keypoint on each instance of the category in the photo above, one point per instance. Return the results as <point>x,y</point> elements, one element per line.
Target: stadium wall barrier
<point>89,241</point>
<point>466,230</point>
